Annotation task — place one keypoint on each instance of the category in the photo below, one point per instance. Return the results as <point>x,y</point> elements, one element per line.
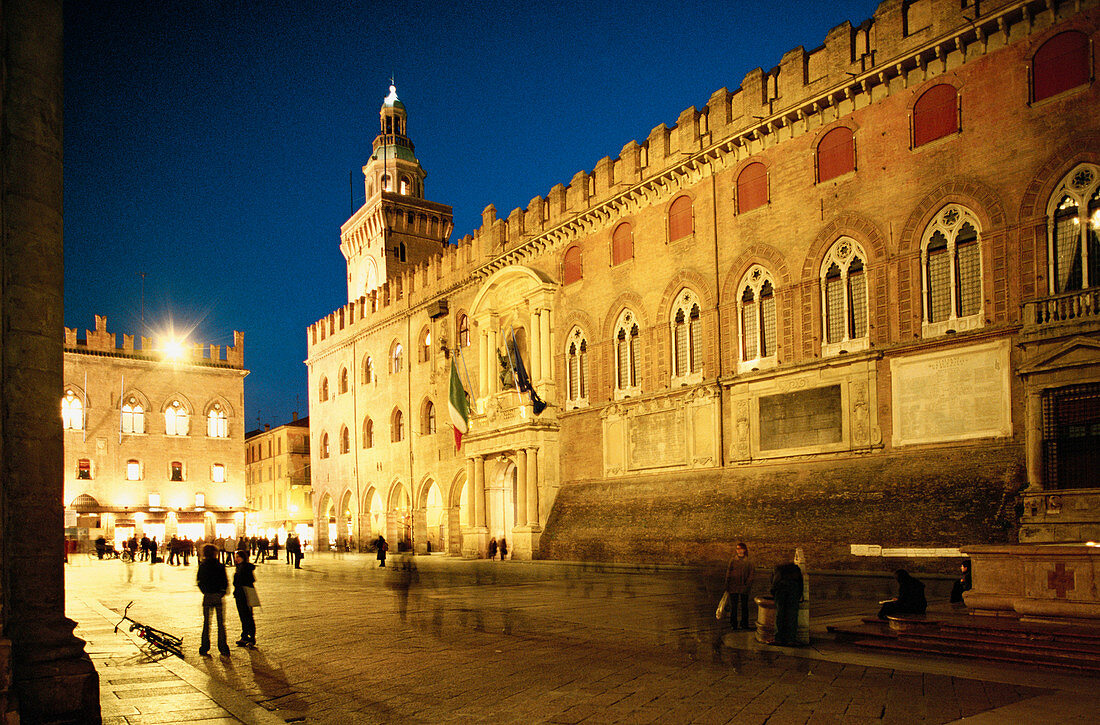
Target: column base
<point>525,542</point>
<point>53,679</point>
<point>475,542</point>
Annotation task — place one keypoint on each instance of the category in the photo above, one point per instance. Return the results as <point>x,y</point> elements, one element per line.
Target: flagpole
<point>121,394</point>
<point>464,370</point>
<point>514,351</point>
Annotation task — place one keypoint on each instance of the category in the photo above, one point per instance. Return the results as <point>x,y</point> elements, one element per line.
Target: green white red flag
<point>459,406</point>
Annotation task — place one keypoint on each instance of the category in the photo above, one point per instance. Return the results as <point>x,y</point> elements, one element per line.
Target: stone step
<point>976,651</point>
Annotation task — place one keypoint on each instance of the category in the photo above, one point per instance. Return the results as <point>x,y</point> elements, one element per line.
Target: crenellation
<point>576,194</point>
<point>603,177</point>
<point>556,204</point>
<point>658,144</point>
<point>687,134</point>
<point>792,75</point>
<point>628,168</point>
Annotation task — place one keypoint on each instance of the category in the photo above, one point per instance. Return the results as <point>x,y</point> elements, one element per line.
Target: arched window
<point>343,380</point>
<point>386,182</point>
<point>844,298</point>
<point>576,369</point>
<point>368,433</point>
<point>345,440</point>
<point>404,185</point>
<point>757,317</point>
<point>72,411</point>
<point>133,416</point>
<point>397,426</point>
<point>395,358</point>
<point>951,262</point>
<point>935,114</point>
<point>571,266</point>
<point>463,330</point>
<point>176,419</point>
<point>322,390</point>
<point>622,243</point>
<point>626,355</point>
<point>1074,240</point>
<point>217,423</point>
<point>175,471</point>
<point>1061,63</point>
<point>836,154</point>
<point>687,343</point>
<point>681,221</point>
<point>368,370</point>
<point>425,345</point>
<point>133,470</point>
<point>752,187</point>
<point>324,445</point>
<point>84,469</point>
<point>427,424</point>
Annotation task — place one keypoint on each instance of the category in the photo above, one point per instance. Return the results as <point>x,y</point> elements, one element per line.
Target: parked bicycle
<point>111,553</point>
<point>160,642</point>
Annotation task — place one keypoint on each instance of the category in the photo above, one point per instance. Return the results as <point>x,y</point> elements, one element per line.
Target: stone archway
<point>501,489</point>
<point>399,518</point>
<point>458,513</point>
<point>345,521</point>
<point>433,515</point>
<point>326,521</point>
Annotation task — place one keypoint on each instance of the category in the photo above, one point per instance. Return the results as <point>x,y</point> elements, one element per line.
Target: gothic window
<point>687,343</point>
<point>324,445</point>
<point>72,411</point>
<point>681,222</point>
<point>622,244</point>
<point>175,471</point>
<point>176,419</point>
<point>756,315</point>
<point>1074,243</point>
<point>571,265</point>
<point>626,355</point>
<point>217,475</point>
<point>752,187</point>
<point>133,416</point>
<point>133,470</point>
<point>935,114</point>
<point>345,440</point>
<point>398,426</point>
<point>463,330</point>
<point>951,264</point>
<point>217,423</point>
<point>425,345</point>
<point>576,369</point>
<point>368,370</point>
<point>368,433</point>
<point>844,298</point>
<point>427,423</point>
<point>1062,62</point>
<point>836,154</point>
<point>395,358</point>
<point>84,469</point>
<point>1071,437</point>
<point>322,390</point>
<point>343,380</point>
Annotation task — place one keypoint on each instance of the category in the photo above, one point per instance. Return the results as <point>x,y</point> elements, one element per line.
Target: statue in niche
<point>507,378</point>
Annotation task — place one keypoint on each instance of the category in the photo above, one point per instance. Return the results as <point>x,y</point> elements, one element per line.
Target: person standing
<point>244,579</point>
<point>739,575</point>
<point>382,546</point>
<point>493,548</point>
<point>294,550</point>
<point>213,583</point>
<point>503,548</point>
<point>787,592</point>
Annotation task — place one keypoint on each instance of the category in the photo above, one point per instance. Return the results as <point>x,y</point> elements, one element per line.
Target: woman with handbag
<point>244,593</point>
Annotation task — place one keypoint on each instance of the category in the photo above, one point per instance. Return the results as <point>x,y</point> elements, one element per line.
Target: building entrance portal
<point>501,501</point>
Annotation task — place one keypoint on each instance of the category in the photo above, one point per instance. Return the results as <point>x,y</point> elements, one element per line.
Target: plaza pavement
<point>341,641</point>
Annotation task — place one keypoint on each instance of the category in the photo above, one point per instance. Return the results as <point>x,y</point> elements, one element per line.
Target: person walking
<point>493,548</point>
<point>244,594</point>
<point>213,583</point>
<point>294,550</point>
<point>503,548</point>
<point>739,575</point>
<point>382,546</point>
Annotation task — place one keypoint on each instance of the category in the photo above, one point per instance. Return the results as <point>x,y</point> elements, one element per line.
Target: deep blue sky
<point>209,143</point>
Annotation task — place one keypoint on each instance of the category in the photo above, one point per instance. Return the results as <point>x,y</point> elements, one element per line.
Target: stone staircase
<point>1065,647</point>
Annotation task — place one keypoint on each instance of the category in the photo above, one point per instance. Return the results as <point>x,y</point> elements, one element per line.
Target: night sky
<point>208,144</point>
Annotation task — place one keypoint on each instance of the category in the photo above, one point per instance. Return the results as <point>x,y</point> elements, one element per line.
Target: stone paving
<point>341,641</point>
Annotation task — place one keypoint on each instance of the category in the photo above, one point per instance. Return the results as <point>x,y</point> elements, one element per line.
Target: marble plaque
<point>657,440</point>
<point>952,394</point>
<point>804,418</point>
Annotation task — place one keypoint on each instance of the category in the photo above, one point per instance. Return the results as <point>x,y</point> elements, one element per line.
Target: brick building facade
<point>277,481</point>
<point>850,306</point>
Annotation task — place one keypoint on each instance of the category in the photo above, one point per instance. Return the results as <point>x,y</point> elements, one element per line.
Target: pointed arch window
<point>687,343</point>
<point>576,370</point>
<point>345,440</point>
<point>368,370</point>
<point>681,219</point>
<point>756,314</point>
<point>176,419</point>
<point>217,422</point>
<point>322,390</point>
<point>463,330</point>
<point>1074,240</point>
<point>425,345</point>
<point>343,380</point>
<point>398,426</point>
<point>951,267</point>
<point>626,356</point>
<point>368,433</point>
<point>175,471</point>
<point>324,445</point>
<point>622,244</point>
<point>571,265</point>
<point>133,416</point>
<point>1061,63</point>
<point>395,358</point>
<point>72,411</point>
<point>427,425</point>
<point>844,298</point>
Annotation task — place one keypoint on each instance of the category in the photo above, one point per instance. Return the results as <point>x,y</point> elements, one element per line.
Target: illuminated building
<point>277,481</point>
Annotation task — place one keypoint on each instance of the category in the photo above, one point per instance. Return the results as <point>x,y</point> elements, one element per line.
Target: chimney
<point>267,426</point>
<point>295,414</point>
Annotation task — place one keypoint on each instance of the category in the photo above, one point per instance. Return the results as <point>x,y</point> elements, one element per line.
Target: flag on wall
<point>523,382</point>
<point>459,406</point>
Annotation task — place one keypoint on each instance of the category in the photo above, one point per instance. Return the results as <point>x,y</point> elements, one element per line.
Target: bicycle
<point>161,643</point>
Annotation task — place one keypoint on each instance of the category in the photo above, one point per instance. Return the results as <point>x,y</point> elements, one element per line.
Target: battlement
<point>100,340</point>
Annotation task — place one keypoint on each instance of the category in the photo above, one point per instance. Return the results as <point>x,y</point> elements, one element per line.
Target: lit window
<point>1074,237</point>
<point>343,380</point>
<point>154,500</point>
<point>345,440</point>
<point>576,369</point>
<point>368,433</point>
<point>133,416</point>
<point>176,471</point>
<point>952,271</point>
<point>84,469</point>
<point>368,370</point>
<point>398,432</point>
<point>426,346</point>
<point>133,470</point>
<point>622,244</point>
<point>626,348</point>
<point>324,445</point>
<point>322,390</point>
<point>844,298</point>
<point>217,423</point>
<point>176,420</point>
<point>72,412</point>
<point>680,219</point>
<point>217,473</point>
<point>463,330</point>
<point>687,358</point>
<point>1061,63</point>
<point>396,368</point>
<point>935,114</point>
<point>200,500</point>
<point>757,318</point>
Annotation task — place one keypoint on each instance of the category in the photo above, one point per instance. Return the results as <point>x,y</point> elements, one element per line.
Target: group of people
<point>213,582</point>
<point>495,546</point>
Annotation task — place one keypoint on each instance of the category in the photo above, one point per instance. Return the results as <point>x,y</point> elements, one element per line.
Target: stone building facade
<point>850,306</point>
<point>277,486</point>
<point>154,436</point>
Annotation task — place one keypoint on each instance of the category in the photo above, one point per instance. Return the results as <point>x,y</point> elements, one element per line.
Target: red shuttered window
<point>1060,63</point>
<point>752,187</point>
<point>571,266</point>
<point>836,154</point>
<point>622,244</point>
<point>935,114</point>
<point>680,222</point>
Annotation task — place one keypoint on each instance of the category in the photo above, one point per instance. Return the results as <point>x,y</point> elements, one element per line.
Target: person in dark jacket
<point>294,550</point>
<point>910,599</point>
<point>787,592</point>
<point>213,583</point>
<point>962,584</point>
<point>382,546</point>
<point>244,576</point>
<point>739,575</point>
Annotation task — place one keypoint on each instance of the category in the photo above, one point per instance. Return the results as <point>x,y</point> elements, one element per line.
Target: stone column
<point>50,676</point>
<point>521,485</point>
<point>483,362</point>
<point>535,349</point>
<point>471,509</point>
<point>479,491</point>
<point>533,487</point>
<point>544,339</point>
<point>1034,438</point>
<point>494,365</point>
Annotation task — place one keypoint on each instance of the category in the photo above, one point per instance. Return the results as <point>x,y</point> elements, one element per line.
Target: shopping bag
<point>723,606</point>
<point>251,597</point>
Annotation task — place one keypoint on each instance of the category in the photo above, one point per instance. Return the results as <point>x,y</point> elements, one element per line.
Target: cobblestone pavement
<point>342,641</point>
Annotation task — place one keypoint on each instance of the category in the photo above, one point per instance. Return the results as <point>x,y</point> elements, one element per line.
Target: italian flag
<point>459,405</point>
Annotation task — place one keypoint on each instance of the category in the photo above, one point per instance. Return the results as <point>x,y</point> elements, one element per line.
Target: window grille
<point>1071,437</point>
